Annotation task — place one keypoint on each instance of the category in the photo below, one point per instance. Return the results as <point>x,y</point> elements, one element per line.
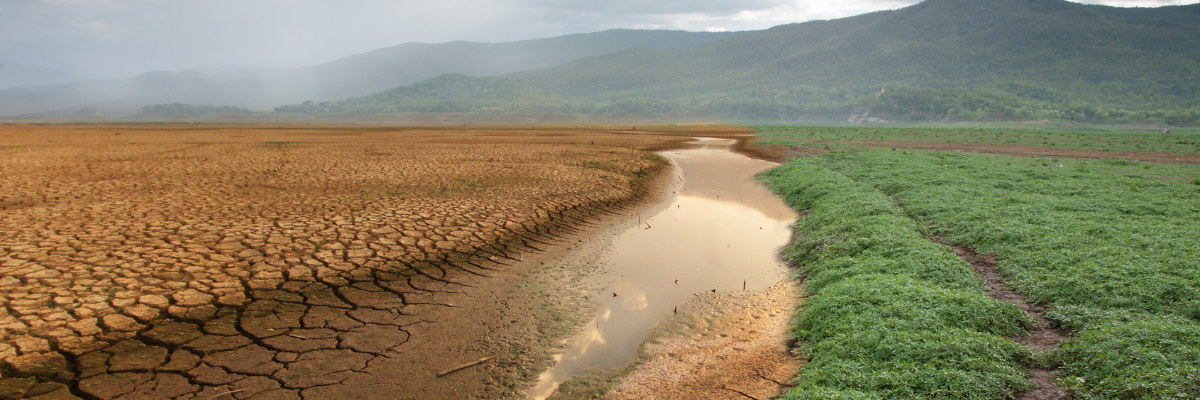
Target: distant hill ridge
<point>351,76</point>
<point>936,60</point>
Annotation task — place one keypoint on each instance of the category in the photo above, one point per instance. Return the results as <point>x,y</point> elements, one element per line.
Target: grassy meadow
<point>1113,246</point>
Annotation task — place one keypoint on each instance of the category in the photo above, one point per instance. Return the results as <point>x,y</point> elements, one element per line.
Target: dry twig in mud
<point>229,393</point>
<point>463,366</point>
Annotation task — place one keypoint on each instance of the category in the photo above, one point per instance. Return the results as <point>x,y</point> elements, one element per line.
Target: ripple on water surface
<point>721,231</point>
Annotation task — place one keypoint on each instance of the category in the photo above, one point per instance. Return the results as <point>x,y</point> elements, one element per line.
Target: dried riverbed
<point>328,262</point>
<point>700,276</point>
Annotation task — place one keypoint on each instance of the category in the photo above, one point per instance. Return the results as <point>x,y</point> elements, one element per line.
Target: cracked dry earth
<point>250,262</point>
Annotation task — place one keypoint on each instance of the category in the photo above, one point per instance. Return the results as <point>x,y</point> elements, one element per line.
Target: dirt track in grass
<point>782,153</point>
<point>1042,337</point>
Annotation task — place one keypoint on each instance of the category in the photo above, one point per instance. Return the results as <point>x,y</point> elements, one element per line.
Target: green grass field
<point>1179,142</point>
<point>891,315</point>
<point>1112,245</point>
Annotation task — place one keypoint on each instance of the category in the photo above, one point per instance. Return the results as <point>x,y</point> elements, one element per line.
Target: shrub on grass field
<point>902,302</point>
<point>1147,357</point>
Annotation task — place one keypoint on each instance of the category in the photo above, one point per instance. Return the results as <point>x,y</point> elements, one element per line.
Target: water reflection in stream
<point>722,231</point>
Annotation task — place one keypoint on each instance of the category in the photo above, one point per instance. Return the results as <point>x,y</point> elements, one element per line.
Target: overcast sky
<point>124,37</point>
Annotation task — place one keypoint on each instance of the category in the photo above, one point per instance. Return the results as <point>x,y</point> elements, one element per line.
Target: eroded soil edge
<point>720,345</point>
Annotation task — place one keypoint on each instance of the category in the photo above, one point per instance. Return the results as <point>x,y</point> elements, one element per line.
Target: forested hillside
<point>937,60</point>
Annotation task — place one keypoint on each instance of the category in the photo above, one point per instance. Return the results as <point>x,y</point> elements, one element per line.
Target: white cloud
<point>1139,3</point>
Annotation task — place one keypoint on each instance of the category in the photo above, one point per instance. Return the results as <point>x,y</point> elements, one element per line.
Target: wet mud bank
<point>692,300</point>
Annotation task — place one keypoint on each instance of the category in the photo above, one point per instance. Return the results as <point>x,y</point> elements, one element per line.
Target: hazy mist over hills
<point>356,75</point>
<point>939,60</point>
<point>16,74</point>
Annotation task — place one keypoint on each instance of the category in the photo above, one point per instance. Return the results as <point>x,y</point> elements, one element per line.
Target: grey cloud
<point>124,37</point>
<point>717,7</point>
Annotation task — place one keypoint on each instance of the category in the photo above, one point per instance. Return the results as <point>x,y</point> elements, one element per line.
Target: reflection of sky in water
<point>720,231</point>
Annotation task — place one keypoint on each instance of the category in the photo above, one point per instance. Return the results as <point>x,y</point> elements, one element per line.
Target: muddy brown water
<point>719,231</point>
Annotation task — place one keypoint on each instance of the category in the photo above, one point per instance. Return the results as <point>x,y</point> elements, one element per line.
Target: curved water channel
<point>721,231</point>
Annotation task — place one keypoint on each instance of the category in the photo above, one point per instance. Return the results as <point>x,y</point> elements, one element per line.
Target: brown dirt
<point>1041,336</point>
<point>219,261</point>
<point>1010,150</point>
<point>782,153</point>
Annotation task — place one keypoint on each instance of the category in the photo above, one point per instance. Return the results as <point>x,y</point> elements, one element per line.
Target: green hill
<point>937,60</point>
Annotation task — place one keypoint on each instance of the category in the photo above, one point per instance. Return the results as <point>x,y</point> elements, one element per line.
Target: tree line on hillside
<point>193,110</point>
<point>462,94</point>
<point>940,60</point>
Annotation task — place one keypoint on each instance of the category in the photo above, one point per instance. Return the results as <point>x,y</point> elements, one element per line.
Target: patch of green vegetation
<point>281,143</point>
<point>891,315</point>
<point>442,94</point>
<point>193,110</point>
<point>1113,246</point>
<point>1143,141</point>
<point>472,184</point>
<point>1144,357</point>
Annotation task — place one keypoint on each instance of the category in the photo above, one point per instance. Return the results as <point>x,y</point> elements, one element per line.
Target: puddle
<point>721,231</point>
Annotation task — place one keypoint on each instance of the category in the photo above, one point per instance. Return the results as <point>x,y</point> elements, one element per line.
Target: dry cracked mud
<point>257,262</point>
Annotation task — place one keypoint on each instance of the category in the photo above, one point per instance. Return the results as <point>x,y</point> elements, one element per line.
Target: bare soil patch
<point>1163,158</point>
<point>223,261</point>
<point>1042,336</point>
<point>783,153</point>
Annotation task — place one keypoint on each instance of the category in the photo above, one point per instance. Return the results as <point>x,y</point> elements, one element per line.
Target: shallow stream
<point>721,231</point>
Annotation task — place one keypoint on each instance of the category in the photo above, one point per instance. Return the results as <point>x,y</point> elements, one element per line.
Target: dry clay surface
<point>254,262</point>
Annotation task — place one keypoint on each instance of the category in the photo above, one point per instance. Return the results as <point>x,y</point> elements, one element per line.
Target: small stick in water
<point>743,286</point>
<point>470,364</point>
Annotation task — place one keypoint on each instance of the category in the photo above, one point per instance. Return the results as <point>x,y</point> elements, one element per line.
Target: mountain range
<point>936,60</point>
<point>351,76</point>
<point>17,74</point>
<point>939,60</point>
